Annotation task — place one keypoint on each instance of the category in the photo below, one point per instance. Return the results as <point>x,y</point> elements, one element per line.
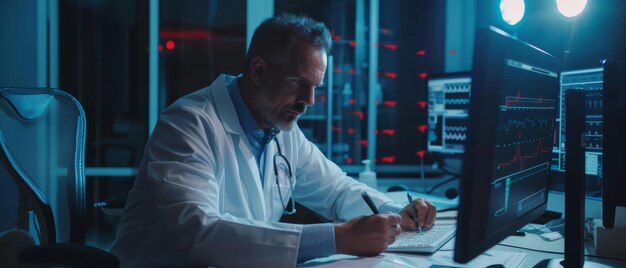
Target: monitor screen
<point>591,81</point>
<point>512,115</point>
<point>448,103</point>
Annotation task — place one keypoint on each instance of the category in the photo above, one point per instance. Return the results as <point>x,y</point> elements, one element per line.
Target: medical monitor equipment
<point>512,114</point>
<point>591,82</point>
<point>448,103</point>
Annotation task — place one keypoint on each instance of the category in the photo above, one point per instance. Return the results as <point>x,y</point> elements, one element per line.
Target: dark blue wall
<point>18,43</point>
<point>18,68</point>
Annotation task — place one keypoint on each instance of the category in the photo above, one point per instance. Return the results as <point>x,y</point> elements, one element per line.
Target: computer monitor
<point>448,103</point>
<point>614,184</point>
<point>513,107</point>
<point>591,81</point>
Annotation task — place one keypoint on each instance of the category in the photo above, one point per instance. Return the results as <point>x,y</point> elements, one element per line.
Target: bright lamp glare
<point>512,10</point>
<point>570,8</point>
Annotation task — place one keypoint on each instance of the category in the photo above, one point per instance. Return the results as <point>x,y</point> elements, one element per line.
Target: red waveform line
<point>521,159</point>
<point>515,100</point>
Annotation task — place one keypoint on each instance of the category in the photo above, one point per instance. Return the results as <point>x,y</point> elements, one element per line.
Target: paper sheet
<point>439,259</point>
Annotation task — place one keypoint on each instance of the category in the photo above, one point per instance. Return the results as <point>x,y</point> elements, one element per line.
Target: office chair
<point>42,138</point>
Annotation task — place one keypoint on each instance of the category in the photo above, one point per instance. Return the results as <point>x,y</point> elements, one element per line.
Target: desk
<point>510,246</point>
<point>411,260</point>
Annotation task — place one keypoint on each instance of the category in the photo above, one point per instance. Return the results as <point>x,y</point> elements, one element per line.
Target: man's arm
<point>324,188</point>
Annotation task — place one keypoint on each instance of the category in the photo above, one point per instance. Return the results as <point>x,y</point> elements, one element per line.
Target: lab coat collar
<point>224,104</point>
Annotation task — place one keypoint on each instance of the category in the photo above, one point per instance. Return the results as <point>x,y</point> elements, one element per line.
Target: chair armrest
<point>70,254</point>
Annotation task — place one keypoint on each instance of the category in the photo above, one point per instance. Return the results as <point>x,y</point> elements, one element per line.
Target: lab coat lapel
<point>248,168</point>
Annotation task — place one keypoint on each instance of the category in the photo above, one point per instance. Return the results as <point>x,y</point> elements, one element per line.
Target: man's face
<point>288,88</point>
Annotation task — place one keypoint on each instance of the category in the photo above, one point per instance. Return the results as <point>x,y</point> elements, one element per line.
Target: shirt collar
<point>246,119</point>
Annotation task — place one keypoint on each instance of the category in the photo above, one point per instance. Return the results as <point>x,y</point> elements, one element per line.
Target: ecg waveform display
<point>523,143</point>
<point>528,123</point>
<point>448,105</point>
<point>457,95</point>
<point>590,80</point>
<point>523,155</point>
<point>455,131</point>
<point>525,133</point>
<point>524,103</point>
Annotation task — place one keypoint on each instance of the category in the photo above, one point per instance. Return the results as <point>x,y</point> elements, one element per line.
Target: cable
<point>442,183</point>
<point>441,162</point>
<point>606,257</point>
<point>532,249</point>
<point>449,171</point>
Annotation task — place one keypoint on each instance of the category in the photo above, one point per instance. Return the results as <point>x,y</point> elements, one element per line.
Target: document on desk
<point>439,259</point>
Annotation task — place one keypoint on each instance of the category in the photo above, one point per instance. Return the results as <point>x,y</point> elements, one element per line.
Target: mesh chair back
<point>42,133</point>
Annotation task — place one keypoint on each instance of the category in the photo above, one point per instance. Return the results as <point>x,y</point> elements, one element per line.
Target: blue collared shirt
<point>317,240</point>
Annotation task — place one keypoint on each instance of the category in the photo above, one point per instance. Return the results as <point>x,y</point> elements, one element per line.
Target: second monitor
<point>448,105</point>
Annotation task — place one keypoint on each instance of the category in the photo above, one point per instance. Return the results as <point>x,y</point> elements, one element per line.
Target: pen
<point>419,229</point>
<point>369,202</point>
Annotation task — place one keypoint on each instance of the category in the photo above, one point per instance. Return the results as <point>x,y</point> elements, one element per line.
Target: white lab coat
<point>198,197</point>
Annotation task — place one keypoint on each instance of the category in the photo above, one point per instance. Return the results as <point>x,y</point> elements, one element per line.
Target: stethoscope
<point>290,176</point>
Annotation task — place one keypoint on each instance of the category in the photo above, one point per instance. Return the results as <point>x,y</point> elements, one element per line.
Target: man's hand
<point>367,236</point>
<point>426,213</point>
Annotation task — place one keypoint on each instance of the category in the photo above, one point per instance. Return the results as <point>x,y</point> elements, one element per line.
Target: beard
<point>282,118</point>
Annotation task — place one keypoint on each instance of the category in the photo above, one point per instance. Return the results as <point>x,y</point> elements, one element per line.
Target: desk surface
<point>504,250</point>
<point>533,248</point>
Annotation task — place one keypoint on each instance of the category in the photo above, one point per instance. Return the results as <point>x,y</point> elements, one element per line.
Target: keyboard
<point>427,242</point>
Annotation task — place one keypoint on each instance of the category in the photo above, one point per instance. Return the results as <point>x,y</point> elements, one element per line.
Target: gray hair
<point>275,36</point>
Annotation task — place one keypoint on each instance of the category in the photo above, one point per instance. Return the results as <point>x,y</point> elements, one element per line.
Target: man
<point>223,162</point>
